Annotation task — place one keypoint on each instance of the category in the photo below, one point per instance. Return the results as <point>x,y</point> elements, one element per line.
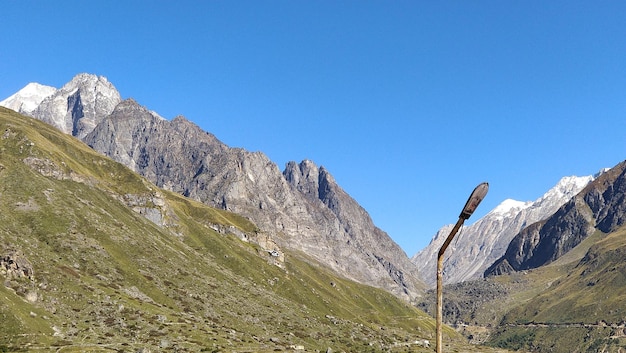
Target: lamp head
<point>475,198</point>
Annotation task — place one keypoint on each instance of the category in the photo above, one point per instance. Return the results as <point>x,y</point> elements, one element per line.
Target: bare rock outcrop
<point>14,265</point>
<point>78,106</point>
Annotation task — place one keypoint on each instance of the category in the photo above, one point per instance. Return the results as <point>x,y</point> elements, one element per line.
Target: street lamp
<point>470,206</point>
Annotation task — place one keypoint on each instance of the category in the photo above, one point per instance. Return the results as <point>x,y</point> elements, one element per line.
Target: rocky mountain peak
<point>316,183</point>
<point>305,177</point>
<point>78,106</point>
<point>129,105</point>
<point>192,131</point>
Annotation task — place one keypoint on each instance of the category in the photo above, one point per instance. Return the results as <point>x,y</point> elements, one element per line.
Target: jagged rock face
<point>302,207</point>
<point>124,139</point>
<point>79,105</point>
<point>601,205</point>
<point>352,228</point>
<point>607,200</point>
<point>477,246</point>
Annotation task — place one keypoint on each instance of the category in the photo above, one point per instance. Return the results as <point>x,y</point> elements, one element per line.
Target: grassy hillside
<point>94,258</point>
<point>583,309</point>
<point>575,304</point>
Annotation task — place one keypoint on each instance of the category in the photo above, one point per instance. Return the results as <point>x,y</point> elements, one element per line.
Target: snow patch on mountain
<point>508,207</point>
<point>26,100</point>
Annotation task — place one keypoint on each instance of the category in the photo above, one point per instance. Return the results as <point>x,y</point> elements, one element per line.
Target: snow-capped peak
<point>509,205</point>
<point>27,99</point>
<point>78,106</point>
<point>566,188</point>
<point>574,182</point>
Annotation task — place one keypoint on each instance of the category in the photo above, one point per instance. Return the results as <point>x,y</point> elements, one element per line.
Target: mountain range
<point>559,285</point>
<point>600,206</point>
<point>301,207</point>
<point>480,244</point>
<point>539,259</point>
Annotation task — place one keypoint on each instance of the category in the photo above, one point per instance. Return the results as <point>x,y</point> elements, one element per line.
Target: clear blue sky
<point>409,104</point>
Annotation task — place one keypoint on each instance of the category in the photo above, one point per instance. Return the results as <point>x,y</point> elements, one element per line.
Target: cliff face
<point>78,106</point>
<point>599,206</point>
<point>359,240</point>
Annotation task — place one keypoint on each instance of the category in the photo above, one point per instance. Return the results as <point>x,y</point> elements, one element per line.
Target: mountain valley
<point>123,231</point>
<point>559,286</point>
<point>96,258</point>
<point>480,244</point>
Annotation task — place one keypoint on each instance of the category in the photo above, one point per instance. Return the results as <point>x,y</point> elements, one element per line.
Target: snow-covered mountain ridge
<point>509,206</point>
<point>478,245</point>
<point>26,100</point>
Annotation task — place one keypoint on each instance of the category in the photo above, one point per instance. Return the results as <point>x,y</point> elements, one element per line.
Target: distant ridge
<point>601,205</point>
<point>483,242</point>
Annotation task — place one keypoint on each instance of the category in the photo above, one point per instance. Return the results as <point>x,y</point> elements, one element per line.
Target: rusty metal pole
<point>470,206</point>
<point>458,225</point>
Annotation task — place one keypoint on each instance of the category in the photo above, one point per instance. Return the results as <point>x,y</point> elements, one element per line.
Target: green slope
<point>576,304</point>
<point>120,265</point>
